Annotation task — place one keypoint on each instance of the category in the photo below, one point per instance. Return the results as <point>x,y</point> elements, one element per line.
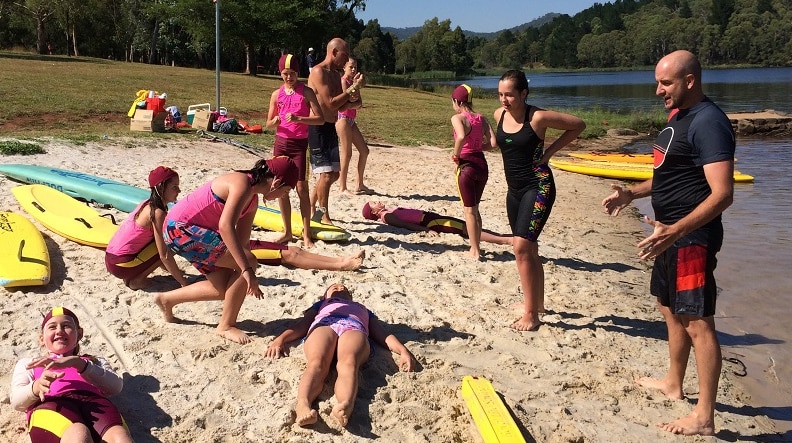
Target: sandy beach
<point>570,381</point>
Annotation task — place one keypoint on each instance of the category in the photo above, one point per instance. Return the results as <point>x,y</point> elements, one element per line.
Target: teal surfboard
<point>79,185</point>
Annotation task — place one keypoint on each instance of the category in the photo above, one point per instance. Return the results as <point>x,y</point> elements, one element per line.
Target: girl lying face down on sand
<point>336,326</point>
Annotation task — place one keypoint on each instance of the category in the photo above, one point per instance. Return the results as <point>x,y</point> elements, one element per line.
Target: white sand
<point>571,381</point>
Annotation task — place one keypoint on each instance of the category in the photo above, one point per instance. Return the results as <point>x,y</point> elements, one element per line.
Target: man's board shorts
<point>200,246</point>
<point>683,277</point>
<point>49,420</point>
<point>529,209</point>
<point>296,149</point>
<point>130,266</point>
<point>323,145</point>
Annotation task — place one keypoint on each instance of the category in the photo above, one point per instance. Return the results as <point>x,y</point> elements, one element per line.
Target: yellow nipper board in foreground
<point>25,259</point>
<point>65,215</point>
<point>493,420</point>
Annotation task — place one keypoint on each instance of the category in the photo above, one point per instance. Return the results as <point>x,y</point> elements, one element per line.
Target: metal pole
<point>217,54</point>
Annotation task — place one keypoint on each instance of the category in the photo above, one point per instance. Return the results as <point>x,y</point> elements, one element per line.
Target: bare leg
<point>344,131</point>
<point>322,192</point>
<point>117,434</point>
<point>284,204</point>
<point>77,433</point>
<point>529,266</point>
<point>235,293</point>
<point>302,259</point>
<point>199,291</point>
<point>498,239</point>
<point>353,350</point>
<point>473,225</point>
<point>679,344</point>
<point>305,212</point>
<point>142,281</point>
<point>708,363</point>
<point>319,350</point>
<point>363,153</point>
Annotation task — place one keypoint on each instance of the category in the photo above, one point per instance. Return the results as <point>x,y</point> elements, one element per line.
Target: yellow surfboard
<point>620,170</point>
<point>493,420</point>
<point>270,219</point>
<point>65,215</point>
<point>25,259</point>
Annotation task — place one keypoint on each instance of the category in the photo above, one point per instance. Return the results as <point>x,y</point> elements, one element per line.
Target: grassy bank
<point>81,98</point>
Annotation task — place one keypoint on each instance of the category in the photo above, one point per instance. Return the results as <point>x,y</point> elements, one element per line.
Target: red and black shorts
<point>683,275</point>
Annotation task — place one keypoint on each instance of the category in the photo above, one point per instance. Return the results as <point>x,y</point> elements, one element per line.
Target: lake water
<point>753,271</point>
<point>735,90</point>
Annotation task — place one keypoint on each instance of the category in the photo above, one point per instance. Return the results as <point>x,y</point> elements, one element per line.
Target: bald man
<point>325,80</point>
<point>691,186</point>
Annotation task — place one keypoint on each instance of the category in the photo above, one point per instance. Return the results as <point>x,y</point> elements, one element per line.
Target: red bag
<point>155,104</point>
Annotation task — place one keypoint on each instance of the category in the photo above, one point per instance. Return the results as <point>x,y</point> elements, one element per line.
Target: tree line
<point>618,34</point>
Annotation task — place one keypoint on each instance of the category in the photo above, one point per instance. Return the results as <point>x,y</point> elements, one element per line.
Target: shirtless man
<point>325,80</point>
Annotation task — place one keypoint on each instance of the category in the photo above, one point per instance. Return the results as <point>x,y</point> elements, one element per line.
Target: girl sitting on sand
<point>65,393</point>
<point>134,252</point>
<point>336,326</point>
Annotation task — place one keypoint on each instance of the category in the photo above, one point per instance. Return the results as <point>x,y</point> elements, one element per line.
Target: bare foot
<point>690,425</point>
<point>671,391</point>
<point>234,334</point>
<point>472,255</point>
<point>167,309</point>
<point>364,190</point>
<point>326,220</point>
<point>526,323</point>
<point>137,284</point>
<point>306,416</point>
<point>520,306</point>
<point>341,413</point>
<point>353,262</point>
<point>347,193</point>
<point>285,239</point>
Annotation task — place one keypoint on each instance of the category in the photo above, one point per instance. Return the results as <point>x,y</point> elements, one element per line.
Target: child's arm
<point>22,392</point>
<point>273,119</point>
<point>165,254</point>
<point>407,362</point>
<point>296,331</point>
<point>96,372</point>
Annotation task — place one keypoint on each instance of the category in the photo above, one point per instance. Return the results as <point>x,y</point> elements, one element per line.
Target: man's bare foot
<point>285,239</point>
<point>671,391</point>
<point>306,416</point>
<point>347,193</point>
<point>690,425</point>
<point>234,334</point>
<point>526,323</point>
<point>341,413</point>
<point>167,309</point>
<point>364,190</point>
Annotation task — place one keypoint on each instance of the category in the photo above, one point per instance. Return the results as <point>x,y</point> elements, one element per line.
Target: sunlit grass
<point>84,99</point>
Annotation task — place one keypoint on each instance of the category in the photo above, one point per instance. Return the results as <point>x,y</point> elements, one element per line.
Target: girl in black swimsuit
<point>520,136</point>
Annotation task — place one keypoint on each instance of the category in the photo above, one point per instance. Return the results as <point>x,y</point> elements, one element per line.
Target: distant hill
<point>405,33</point>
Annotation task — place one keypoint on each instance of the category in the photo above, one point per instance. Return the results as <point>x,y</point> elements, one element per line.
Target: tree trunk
<point>153,45</point>
<point>41,41</point>
<point>74,41</point>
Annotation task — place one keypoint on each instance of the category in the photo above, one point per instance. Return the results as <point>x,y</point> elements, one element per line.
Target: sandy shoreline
<point>570,381</point>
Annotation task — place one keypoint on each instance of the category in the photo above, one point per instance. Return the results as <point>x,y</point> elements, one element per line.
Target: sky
<point>470,15</point>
